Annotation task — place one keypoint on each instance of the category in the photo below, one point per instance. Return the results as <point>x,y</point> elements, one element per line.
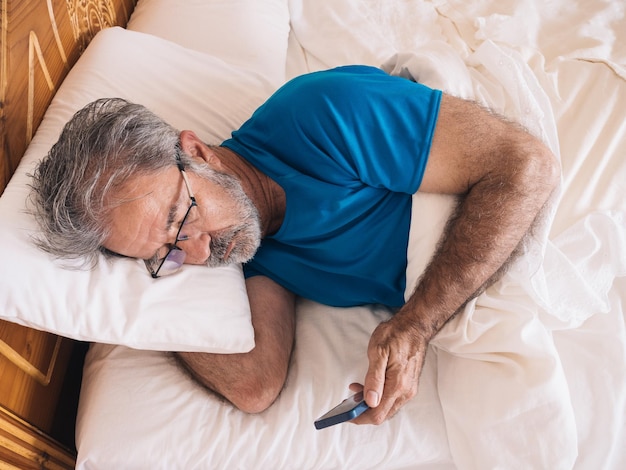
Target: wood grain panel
<point>41,41</point>
<point>29,398</point>
<point>23,447</point>
<point>32,352</point>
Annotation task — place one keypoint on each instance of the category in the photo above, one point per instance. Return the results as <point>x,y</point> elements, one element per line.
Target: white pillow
<point>198,309</point>
<point>252,33</point>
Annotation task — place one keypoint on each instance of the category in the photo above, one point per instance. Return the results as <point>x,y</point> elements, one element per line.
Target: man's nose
<point>197,248</point>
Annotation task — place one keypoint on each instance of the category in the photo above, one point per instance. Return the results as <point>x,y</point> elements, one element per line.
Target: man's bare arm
<point>505,176</point>
<point>253,380</point>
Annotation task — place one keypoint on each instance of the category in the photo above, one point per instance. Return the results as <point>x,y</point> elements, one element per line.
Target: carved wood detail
<point>41,41</point>
<point>42,376</point>
<point>23,447</point>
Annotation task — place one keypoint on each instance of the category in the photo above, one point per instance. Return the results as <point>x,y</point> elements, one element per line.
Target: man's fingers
<point>375,377</point>
<point>395,359</point>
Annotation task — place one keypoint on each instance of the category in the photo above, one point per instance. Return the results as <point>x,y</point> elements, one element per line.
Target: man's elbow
<point>539,169</point>
<point>550,168</point>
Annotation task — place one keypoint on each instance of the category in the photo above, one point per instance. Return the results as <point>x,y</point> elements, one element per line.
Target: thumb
<point>375,381</point>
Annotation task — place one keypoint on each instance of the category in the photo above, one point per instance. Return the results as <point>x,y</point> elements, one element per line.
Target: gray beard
<point>246,236</point>
<point>246,240</point>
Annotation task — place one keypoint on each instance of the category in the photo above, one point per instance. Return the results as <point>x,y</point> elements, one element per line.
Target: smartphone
<point>348,409</point>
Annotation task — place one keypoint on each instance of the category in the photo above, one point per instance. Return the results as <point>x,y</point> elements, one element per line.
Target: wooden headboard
<point>40,41</point>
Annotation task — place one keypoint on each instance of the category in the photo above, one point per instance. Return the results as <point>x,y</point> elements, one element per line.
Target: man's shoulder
<point>333,79</point>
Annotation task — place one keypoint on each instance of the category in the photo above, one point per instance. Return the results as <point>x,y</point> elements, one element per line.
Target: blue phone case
<point>348,409</point>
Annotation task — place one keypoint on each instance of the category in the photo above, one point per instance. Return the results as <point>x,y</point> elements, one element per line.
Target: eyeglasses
<point>175,257</point>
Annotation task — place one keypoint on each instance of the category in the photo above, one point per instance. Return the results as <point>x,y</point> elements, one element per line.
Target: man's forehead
<point>155,187</point>
<point>138,219</point>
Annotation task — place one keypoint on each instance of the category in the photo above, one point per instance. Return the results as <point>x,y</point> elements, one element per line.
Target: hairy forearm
<point>481,238</point>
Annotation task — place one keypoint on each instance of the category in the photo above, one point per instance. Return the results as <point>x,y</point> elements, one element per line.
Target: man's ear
<point>192,145</point>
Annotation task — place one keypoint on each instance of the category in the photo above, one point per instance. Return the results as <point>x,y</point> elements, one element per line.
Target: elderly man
<point>313,194</point>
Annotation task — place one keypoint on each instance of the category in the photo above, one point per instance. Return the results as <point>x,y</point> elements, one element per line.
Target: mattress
<point>533,373</point>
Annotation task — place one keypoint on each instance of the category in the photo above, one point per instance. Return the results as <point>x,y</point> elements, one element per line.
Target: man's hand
<point>396,353</point>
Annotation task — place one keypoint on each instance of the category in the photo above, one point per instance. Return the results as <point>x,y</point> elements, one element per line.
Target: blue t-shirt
<point>349,147</point>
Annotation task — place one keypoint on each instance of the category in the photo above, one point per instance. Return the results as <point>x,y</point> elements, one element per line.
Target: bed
<point>532,374</point>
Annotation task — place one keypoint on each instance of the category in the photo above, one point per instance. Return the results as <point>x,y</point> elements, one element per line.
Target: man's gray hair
<point>104,144</point>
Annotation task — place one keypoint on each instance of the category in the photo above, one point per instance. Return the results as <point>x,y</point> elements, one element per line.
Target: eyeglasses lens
<point>172,262</point>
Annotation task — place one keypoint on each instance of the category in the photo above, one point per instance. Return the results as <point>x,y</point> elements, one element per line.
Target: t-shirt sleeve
<point>355,120</point>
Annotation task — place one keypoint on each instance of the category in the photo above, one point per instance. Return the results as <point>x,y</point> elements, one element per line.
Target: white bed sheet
<point>533,375</point>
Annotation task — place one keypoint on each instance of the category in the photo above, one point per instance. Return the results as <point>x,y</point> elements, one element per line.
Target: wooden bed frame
<point>40,40</point>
